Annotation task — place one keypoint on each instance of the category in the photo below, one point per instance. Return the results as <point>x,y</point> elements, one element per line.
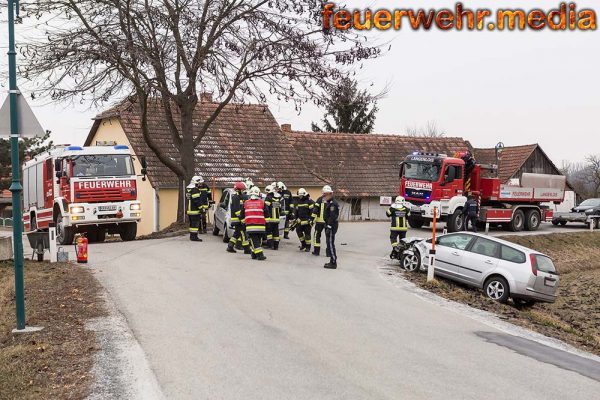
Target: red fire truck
<point>82,189</point>
<point>436,181</point>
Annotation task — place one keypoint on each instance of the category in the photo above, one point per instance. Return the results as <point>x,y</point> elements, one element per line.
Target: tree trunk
<point>188,161</point>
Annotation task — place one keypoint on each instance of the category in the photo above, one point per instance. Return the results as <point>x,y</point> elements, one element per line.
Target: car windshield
<point>591,203</point>
<point>102,165</point>
<point>422,171</point>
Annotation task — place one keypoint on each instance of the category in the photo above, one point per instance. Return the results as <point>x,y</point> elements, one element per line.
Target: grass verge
<point>54,363</point>
<point>574,317</point>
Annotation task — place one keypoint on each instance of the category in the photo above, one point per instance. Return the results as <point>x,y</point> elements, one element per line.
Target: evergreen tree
<point>348,110</point>
<point>28,147</point>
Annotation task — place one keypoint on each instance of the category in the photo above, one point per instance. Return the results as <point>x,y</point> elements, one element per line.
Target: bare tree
<point>165,52</point>
<point>592,175</point>
<point>431,130</point>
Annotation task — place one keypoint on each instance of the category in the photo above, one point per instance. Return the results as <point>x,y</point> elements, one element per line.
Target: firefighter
<point>273,216</point>
<point>471,213</point>
<point>287,208</point>
<point>205,202</point>
<point>398,213</point>
<point>331,216</point>
<point>238,239</point>
<point>318,219</point>
<point>192,194</point>
<point>303,218</point>
<point>254,217</point>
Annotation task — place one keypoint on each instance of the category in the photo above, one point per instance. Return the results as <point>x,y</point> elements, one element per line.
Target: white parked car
<point>501,268</point>
<point>222,217</point>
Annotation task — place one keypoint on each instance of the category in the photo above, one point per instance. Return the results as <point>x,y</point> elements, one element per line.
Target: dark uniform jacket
<point>398,216</point>
<point>318,214</point>
<point>272,208</point>
<point>471,208</point>
<point>332,213</point>
<point>237,206</point>
<point>193,196</point>
<point>205,196</point>
<point>303,210</point>
<point>286,195</point>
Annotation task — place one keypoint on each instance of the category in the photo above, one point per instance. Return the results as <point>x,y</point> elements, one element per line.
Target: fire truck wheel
<point>128,231</point>
<point>415,222</point>
<point>64,234</point>
<point>518,221</point>
<point>532,220</point>
<point>456,222</point>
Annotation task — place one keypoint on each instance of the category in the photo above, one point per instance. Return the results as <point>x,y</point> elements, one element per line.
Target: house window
<point>355,207</point>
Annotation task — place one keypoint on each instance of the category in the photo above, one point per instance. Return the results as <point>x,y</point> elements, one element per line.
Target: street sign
<point>29,126</point>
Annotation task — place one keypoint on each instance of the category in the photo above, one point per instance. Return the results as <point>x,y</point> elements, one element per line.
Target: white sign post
<point>52,237</point>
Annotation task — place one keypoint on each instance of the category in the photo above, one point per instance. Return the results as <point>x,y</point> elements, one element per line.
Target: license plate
<point>107,208</point>
<point>549,282</point>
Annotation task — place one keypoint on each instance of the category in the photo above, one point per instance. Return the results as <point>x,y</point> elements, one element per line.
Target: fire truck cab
<point>91,190</point>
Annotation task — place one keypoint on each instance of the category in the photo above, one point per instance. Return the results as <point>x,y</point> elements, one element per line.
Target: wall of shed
<point>110,129</point>
<point>537,163</point>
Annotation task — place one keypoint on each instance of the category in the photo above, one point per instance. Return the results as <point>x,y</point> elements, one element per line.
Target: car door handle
<point>489,262</point>
<point>455,253</point>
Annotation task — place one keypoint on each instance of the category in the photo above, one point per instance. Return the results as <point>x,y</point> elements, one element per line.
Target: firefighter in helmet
<point>205,202</point>
<point>287,207</point>
<point>331,216</point>
<point>238,239</point>
<point>318,219</point>
<point>273,216</point>
<point>471,212</point>
<point>303,220</point>
<point>398,213</point>
<point>253,215</point>
<point>192,194</point>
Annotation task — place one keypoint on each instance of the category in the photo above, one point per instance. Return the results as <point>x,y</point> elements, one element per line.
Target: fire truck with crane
<point>435,181</point>
<point>91,190</point>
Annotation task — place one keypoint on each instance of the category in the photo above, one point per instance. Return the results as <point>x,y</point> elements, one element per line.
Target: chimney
<point>206,97</point>
<point>286,128</point>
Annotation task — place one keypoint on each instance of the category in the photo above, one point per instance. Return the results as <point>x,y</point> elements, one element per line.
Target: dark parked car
<point>588,212</point>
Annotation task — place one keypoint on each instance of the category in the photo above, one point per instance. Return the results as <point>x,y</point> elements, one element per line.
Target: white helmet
<point>281,185</point>
<point>274,186</point>
<point>302,192</point>
<point>400,200</point>
<point>326,189</point>
<point>196,180</point>
<point>269,189</point>
<point>249,183</point>
<point>254,192</point>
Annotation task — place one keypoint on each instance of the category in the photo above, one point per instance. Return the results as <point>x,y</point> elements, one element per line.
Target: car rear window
<point>512,255</point>
<point>544,264</point>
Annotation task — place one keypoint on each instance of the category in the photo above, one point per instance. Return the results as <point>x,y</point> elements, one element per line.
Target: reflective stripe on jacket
<point>398,216</point>
<point>318,214</point>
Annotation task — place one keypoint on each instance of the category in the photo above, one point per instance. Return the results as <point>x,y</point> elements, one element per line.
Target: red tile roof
<point>364,165</point>
<point>244,141</point>
<point>511,160</point>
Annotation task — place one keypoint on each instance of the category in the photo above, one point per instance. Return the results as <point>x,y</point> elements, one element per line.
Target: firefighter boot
<point>316,251</point>
<point>194,237</point>
<point>230,248</point>
<point>247,250</point>
<point>330,265</point>
<point>261,257</point>
<point>275,245</point>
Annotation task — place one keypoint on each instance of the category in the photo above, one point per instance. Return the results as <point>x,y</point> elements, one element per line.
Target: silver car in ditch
<point>222,217</point>
<point>501,268</point>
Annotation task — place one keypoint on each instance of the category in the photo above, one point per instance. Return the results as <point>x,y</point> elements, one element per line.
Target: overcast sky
<point>514,87</point>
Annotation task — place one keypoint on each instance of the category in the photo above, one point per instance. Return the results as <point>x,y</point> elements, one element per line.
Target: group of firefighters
<point>255,217</point>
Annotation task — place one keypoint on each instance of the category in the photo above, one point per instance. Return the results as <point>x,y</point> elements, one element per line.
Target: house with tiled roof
<point>363,168</point>
<point>246,141</point>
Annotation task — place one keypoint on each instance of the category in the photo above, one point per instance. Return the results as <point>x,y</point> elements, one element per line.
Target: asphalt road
<point>220,326</point>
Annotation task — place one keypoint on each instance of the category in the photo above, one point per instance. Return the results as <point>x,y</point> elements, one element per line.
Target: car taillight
<point>533,264</point>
